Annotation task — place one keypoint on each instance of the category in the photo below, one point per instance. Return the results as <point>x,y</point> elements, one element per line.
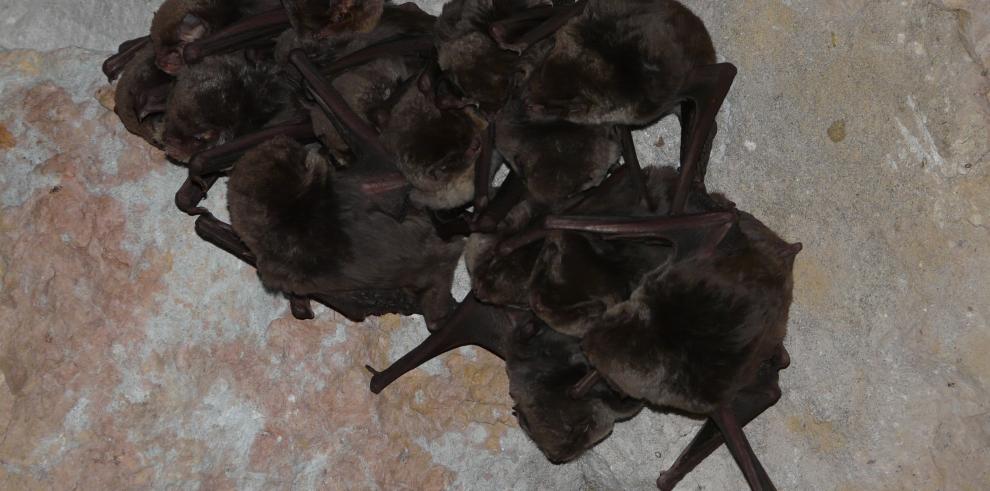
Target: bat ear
<point>192,28</point>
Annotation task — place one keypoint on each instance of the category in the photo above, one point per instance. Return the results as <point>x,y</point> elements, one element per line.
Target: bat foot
<point>301,308</point>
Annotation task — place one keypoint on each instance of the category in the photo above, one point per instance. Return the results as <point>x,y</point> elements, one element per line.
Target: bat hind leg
<point>748,405</point>
<point>472,323</point>
<point>703,92</point>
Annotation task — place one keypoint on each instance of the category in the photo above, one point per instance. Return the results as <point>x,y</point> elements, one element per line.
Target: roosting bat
<point>315,230</point>
<point>556,159</point>
<point>631,62</point>
<point>224,97</point>
<point>695,333</point>
<point>180,22</point>
<point>139,100</point>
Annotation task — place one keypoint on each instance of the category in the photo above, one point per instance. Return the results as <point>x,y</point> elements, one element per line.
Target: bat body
<point>619,62</point>
<point>694,333</point>
<point>315,230</point>
<point>224,97</point>
<point>556,159</point>
<point>140,97</point>
<point>180,22</point>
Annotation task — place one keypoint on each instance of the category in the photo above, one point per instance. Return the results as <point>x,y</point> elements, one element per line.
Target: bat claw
<point>370,369</point>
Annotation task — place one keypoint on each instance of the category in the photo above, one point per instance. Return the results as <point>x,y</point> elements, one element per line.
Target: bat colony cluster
<point>361,138</point>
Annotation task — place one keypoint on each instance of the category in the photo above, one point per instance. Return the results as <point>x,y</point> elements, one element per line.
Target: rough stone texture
<point>134,355</point>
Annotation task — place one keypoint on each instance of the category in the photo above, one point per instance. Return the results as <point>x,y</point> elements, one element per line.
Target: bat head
<point>216,100</point>
<point>434,148</point>
<point>556,159</point>
<point>326,18</point>
<point>542,369</point>
<point>572,283</point>
<point>180,22</point>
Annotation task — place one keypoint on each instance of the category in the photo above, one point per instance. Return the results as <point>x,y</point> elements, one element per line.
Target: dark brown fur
<point>180,22</point>
<point>555,159</point>
<point>468,56</point>
<point>434,148</point>
<point>541,370</point>
<point>314,230</point>
<point>140,97</point>
<point>696,332</point>
<point>619,62</point>
<point>221,98</point>
<point>325,18</point>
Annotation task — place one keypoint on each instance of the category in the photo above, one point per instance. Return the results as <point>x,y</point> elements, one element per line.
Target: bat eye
<point>205,136</point>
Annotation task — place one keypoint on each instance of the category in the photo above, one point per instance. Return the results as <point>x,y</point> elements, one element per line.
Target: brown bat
<point>541,364</point>
<point>180,22</point>
<point>222,98</point>
<point>140,97</point>
<point>556,159</point>
<point>314,230</point>
<point>436,149</point>
<point>695,333</point>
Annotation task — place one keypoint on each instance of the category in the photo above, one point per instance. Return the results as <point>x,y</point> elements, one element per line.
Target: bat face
<point>556,159</point>
<point>498,279</point>
<point>325,18</point>
<point>542,369</point>
<point>434,148</point>
<point>217,100</point>
<point>141,95</point>
<point>180,22</point>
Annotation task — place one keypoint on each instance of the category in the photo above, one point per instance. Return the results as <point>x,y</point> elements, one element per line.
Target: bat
<point>631,62</point>
<point>482,72</point>
<point>314,230</point>
<point>222,98</point>
<point>436,149</point>
<point>694,334</point>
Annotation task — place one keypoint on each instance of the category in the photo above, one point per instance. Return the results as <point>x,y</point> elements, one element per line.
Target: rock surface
<point>135,356</point>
